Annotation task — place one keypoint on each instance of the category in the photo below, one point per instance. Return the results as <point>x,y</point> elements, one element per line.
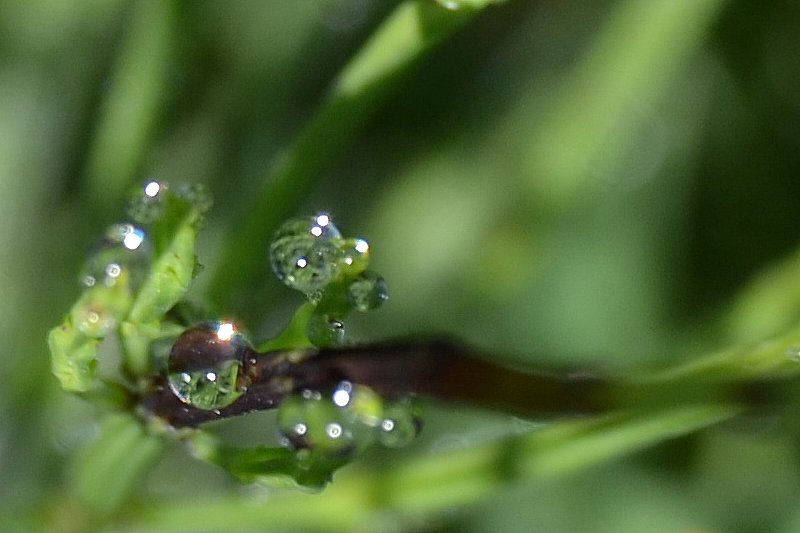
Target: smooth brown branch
<point>447,371</point>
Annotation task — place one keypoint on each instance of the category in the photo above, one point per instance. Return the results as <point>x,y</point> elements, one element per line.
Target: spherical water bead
<point>197,194</point>
<point>400,424</point>
<point>312,421</point>
<point>367,291</point>
<point>205,363</point>
<point>324,331</point>
<point>123,251</point>
<point>304,253</point>
<point>359,403</point>
<point>355,256</point>
<point>95,321</point>
<point>293,421</point>
<point>147,203</point>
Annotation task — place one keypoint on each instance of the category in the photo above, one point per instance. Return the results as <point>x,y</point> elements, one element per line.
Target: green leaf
<point>73,344</point>
<point>169,279</point>
<point>108,469</point>
<point>137,315</point>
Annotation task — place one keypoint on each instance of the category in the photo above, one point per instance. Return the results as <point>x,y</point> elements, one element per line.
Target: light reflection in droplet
<point>225,331</point>
<point>341,397</point>
<point>211,376</point>
<point>302,262</point>
<point>309,394</point>
<point>132,238</point>
<point>362,246</point>
<point>152,188</point>
<point>113,270</point>
<point>333,430</point>
<point>387,424</point>
<point>323,220</point>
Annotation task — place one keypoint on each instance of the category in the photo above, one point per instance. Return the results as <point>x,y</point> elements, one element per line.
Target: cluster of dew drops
<point>205,371</point>
<point>122,258</point>
<point>204,367</point>
<point>310,255</point>
<point>204,364</point>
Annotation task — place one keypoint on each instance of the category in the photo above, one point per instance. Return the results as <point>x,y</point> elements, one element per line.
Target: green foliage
<point>137,311</point>
<point>610,184</point>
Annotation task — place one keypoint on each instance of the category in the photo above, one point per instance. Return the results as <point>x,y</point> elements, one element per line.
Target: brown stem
<point>450,372</point>
<point>438,369</point>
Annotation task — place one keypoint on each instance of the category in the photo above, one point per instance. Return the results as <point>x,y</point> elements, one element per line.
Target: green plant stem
<point>368,80</point>
<point>437,481</point>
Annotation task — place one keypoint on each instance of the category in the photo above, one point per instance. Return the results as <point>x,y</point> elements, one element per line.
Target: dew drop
<point>367,291</point>
<point>147,203</point>
<point>197,194</point>
<point>305,253</point>
<point>95,321</point>
<point>293,421</point>
<point>341,395</point>
<point>355,256</point>
<point>324,331</point>
<point>123,249</point>
<point>333,430</point>
<point>400,425</point>
<point>309,394</point>
<point>204,365</point>
<point>152,188</point>
<point>313,422</point>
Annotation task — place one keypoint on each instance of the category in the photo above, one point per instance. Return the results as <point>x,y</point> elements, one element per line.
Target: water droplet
<point>147,203</point>
<point>152,188</point>
<point>123,249</point>
<point>305,253</point>
<point>355,256</point>
<point>197,194</point>
<point>400,425</point>
<point>334,430</point>
<point>363,405</point>
<point>309,394</point>
<point>293,421</point>
<point>311,422</point>
<point>341,395</point>
<point>368,291</point>
<point>324,331</point>
<point>205,363</point>
<point>95,321</point>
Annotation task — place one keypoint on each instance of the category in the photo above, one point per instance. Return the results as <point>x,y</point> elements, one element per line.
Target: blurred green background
<point>554,181</point>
